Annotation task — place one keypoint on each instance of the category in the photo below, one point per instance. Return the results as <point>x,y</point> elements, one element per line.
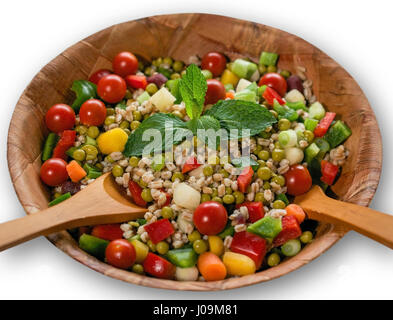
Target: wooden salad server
<point>371,223</point>
<point>99,203</point>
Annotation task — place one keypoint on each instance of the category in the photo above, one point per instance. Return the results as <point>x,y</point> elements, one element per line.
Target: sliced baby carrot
<point>296,211</point>
<point>229,95</point>
<point>211,267</point>
<point>75,171</point>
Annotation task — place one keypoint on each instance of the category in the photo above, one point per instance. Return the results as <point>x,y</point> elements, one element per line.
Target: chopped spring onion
<point>243,68</point>
<point>311,152</point>
<point>287,138</point>
<point>268,58</point>
<point>310,124</point>
<point>291,248</point>
<point>143,97</point>
<point>316,111</point>
<point>294,155</point>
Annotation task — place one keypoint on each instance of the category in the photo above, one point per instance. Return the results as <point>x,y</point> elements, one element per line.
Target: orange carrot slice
<point>75,171</point>
<point>296,211</point>
<point>211,267</point>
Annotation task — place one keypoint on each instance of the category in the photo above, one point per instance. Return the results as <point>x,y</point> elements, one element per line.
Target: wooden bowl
<point>181,36</point>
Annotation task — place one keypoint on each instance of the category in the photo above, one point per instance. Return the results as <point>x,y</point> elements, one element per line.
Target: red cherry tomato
<point>215,91</point>
<point>53,172</point>
<point>214,62</point>
<point>120,253</point>
<point>92,112</point>
<point>60,117</point>
<point>136,82</point>
<point>276,81</point>
<point>125,63</point>
<point>112,88</point>
<point>98,75</point>
<point>298,180</point>
<point>210,218</point>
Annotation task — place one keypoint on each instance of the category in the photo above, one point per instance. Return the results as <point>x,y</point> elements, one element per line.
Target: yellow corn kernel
<point>112,141</point>
<point>238,264</point>
<point>141,250</point>
<point>229,77</point>
<point>216,245</point>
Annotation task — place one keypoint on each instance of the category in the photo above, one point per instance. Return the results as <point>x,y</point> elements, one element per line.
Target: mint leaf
<point>241,115</point>
<point>193,88</point>
<point>84,90</point>
<point>209,125</point>
<point>171,131</point>
<point>243,162</point>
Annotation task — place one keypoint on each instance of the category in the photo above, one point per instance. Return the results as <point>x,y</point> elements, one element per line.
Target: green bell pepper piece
<point>183,258</point>
<point>337,134</point>
<point>84,90</point>
<point>267,227</point>
<point>50,144</point>
<point>268,59</point>
<point>93,245</point>
<point>63,197</point>
<point>282,197</point>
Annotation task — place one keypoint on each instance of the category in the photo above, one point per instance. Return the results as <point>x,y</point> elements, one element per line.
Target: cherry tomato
<point>210,218</point>
<point>120,253</point>
<point>112,88</point>
<point>274,81</point>
<point>214,62</point>
<point>98,75</point>
<point>53,172</point>
<point>92,112</point>
<point>60,117</point>
<point>298,180</point>
<point>125,63</point>
<point>215,91</point>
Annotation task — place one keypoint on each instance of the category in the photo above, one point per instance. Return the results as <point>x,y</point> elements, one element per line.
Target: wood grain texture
<point>180,36</point>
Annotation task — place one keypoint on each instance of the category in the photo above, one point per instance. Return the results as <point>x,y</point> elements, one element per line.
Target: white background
<point>357,34</point>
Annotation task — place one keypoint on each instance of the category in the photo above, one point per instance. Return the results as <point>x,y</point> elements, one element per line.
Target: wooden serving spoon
<point>101,202</point>
<point>371,223</point>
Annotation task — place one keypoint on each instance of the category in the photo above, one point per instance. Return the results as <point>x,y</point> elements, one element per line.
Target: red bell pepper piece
<point>136,82</point>
<point>107,231</point>
<point>168,199</point>
<point>255,210</point>
<point>67,140</point>
<point>329,172</point>
<point>136,192</point>
<point>324,124</point>
<point>250,245</point>
<point>159,230</point>
<point>244,179</point>
<point>190,164</point>
<point>290,230</point>
<point>158,267</point>
<point>270,95</point>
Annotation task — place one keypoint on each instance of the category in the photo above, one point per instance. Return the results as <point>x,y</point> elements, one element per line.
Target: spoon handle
<point>371,223</point>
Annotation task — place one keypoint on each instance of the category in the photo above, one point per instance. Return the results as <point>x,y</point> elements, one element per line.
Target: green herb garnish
<point>84,90</point>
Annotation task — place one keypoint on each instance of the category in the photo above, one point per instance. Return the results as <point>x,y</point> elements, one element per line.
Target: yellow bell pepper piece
<point>112,141</point>
<point>229,77</point>
<point>141,250</point>
<point>216,245</point>
<point>238,264</point>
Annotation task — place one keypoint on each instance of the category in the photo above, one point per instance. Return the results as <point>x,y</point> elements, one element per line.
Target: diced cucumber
<point>268,59</point>
<point>90,141</point>
<point>310,124</point>
<point>243,68</point>
<point>311,152</point>
<point>316,111</point>
<point>93,245</point>
<point>267,227</point>
<point>228,86</point>
<point>143,97</point>
<point>337,134</point>
<point>63,197</point>
<point>323,146</point>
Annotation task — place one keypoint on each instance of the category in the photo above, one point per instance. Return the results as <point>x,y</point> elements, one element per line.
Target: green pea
<point>157,62</point>
<point>137,268</point>
<point>146,116</point>
<point>109,159</point>
<point>208,171</point>
<point>178,114</point>
<point>265,135</point>
<point>264,173</point>
<point>279,179</point>
<point>177,175</point>
<point>284,124</point>
<point>205,197</point>
<point>271,69</point>
<point>124,124</point>
<point>239,197</point>
<point>194,236</point>
<point>306,237</point>
<point>215,192</point>
<point>285,73</point>
<point>228,190</point>
<point>127,131</point>
<point>217,199</point>
<point>117,171</point>
<point>257,149</point>
<point>151,246</point>
<point>167,212</point>
<point>259,197</point>
<point>151,88</point>
<point>99,166</point>
<point>91,152</point>
<point>178,66</point>
<point>109,120</point>
<point>278,154</point>
<point>262,69</point>
<point>149,71</point>
<point>273,259</point>
<point>274,113</point>
<point>224,173</point>
<point>175,76</point>
<point>200,246</point>
<point>79,155</point>
<point>168,61</point>
<point>142,183</point>
<point>81,129</point>
<point>228,199</point>
<point>266,185</point>
<point>162,247</point>
<point>261,163</point>
<point>133,162</point>
<point>207,74</point>
<point>308,135</point>
<point>128,94</point>
<point>137,115</point>
<point>146,195</point>
<point>264,155</point>
<point>93,132</point>
<point>135,124</point>
<point>110,111</point>
<point>278,204</point>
